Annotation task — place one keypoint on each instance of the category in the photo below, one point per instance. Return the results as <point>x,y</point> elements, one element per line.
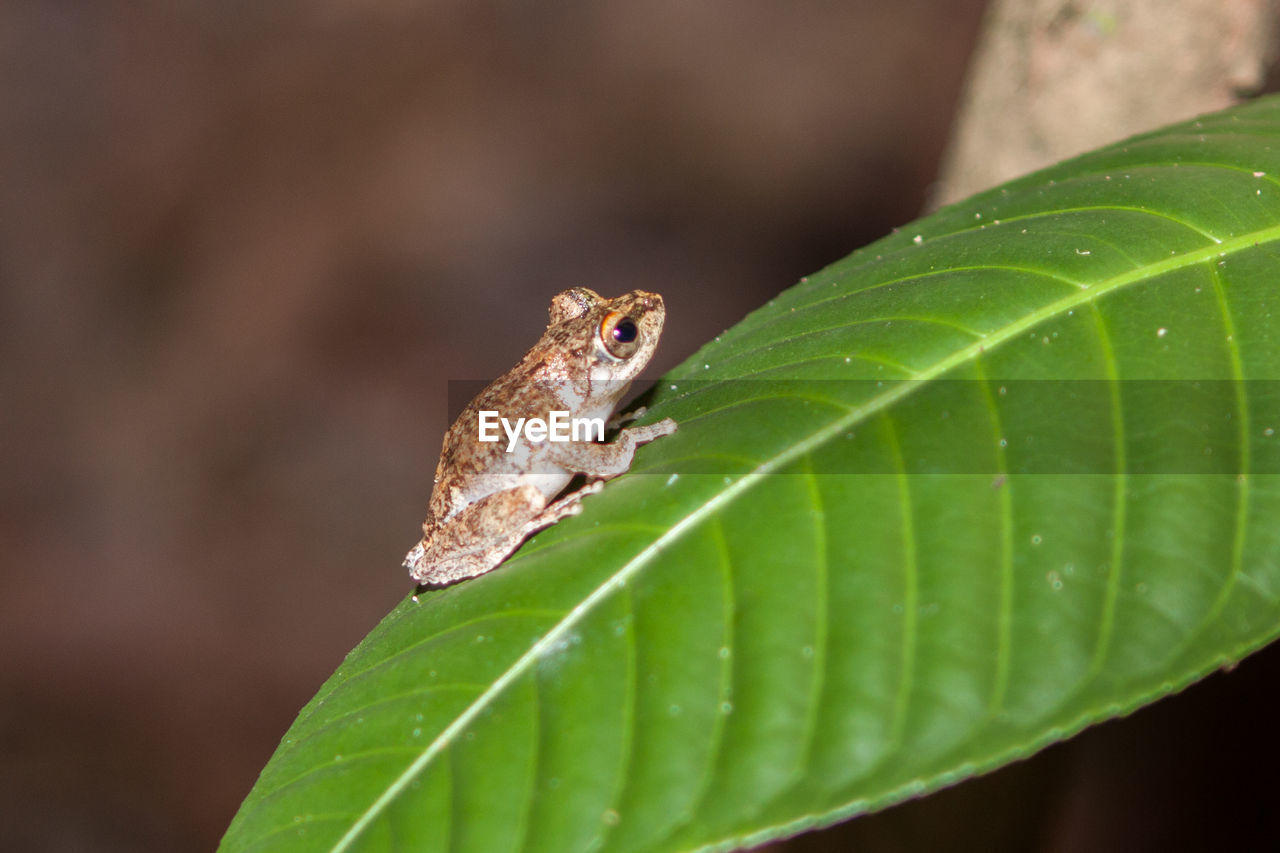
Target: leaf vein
<point>1004,631</point>
<point>629,703</point>
<point>1239,535</point>
<point>910,586</point>
<point>1106,623</point>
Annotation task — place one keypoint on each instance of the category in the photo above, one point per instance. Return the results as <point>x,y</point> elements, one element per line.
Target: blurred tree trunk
<point>1053,78</point>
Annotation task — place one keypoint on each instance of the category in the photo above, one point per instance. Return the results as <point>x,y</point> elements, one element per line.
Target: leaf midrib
<point>766,467</point>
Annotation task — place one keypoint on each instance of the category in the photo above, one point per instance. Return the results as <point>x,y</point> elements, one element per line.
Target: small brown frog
<point>518,444</point>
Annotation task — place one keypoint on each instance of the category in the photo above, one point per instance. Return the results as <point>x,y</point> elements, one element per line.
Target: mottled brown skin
<point>487,500</point>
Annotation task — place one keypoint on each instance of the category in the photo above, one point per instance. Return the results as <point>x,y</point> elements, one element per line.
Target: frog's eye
<point>620,335</point>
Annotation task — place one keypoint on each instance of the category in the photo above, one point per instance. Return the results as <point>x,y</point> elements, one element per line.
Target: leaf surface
<point>1005,473</point>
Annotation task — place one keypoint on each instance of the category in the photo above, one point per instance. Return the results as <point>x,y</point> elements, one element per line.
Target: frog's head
<point>613,338</point>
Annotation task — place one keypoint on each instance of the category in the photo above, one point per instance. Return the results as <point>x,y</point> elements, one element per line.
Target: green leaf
<point>1005,473</point>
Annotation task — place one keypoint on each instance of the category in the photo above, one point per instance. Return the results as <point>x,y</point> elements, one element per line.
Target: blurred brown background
<point>243,248</point>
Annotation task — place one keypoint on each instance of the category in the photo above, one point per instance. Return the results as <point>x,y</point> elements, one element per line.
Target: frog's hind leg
<point>476,539</point>
<point>468,544</point>
<point>570,504</point>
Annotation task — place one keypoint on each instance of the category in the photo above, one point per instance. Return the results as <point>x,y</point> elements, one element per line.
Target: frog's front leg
<point>621,419</point>
<point>612,459</point>
<point>482,535</point>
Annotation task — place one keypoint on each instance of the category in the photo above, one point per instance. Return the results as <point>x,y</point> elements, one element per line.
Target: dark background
<point>244,247</point>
